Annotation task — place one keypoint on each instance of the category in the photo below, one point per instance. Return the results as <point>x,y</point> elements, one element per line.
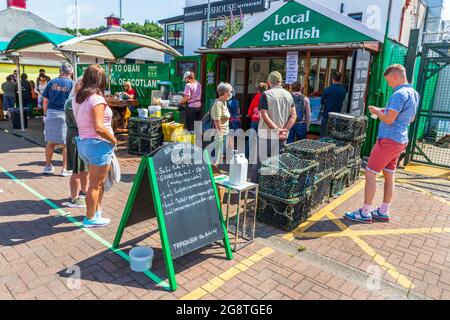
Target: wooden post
<point>307,72</point>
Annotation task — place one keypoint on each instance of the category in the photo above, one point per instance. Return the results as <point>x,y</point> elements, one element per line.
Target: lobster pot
<point>145,127</point>
<point>346,127</point>
<point>357,147</point>
<point>321,189</point>
<point>144,146</point>
<point>321,152</point>
<point>287,176</point>
<point>354,168</point>
<point>339,182</point>
<point>342,153</point>
<point>286,214</point>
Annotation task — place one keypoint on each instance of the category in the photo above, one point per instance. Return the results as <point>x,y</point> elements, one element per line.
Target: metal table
<point>224,182</point>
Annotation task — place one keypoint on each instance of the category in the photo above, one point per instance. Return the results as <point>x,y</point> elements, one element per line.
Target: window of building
<point>214,26</point>
<point>357,16</point>
<point>175,34</point>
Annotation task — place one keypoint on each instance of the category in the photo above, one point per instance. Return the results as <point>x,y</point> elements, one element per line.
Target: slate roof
<point>13,21</point>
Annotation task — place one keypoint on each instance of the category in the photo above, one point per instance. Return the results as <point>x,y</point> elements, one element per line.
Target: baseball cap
<point>187,74</point>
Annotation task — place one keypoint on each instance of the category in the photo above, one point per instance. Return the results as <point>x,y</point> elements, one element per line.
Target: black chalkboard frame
<point>147,171</point>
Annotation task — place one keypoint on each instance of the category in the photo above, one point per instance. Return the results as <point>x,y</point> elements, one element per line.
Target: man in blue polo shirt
<point>392,141</point>
<point>332,101</point>
<point>55,96</point>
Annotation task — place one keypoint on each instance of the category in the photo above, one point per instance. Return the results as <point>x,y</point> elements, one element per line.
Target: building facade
<point>188,32</point>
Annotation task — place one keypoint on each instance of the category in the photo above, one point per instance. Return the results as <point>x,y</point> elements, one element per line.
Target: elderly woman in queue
<point>220,116</point>
<point>96,141</point>
<point>192,99</point>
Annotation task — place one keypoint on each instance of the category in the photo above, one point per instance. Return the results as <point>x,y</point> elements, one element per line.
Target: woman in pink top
<point>192,98</point>
<point>96,141</point>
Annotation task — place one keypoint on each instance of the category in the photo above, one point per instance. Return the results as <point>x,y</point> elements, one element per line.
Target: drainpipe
<point>405,7</point>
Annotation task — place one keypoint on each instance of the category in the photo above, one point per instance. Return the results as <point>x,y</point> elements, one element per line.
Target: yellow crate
<point>186,138</point>
<point>172,130</point>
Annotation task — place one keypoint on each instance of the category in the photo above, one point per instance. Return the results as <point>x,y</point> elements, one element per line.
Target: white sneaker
<point>48,170</point>
<point>65,173</point>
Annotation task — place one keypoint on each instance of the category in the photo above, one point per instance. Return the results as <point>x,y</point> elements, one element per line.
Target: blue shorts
<point>8,102</point>
<point>95,152</point>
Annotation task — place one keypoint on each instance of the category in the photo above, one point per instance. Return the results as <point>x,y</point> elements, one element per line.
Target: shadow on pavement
<point>108,267</point>
<point>18,232</point>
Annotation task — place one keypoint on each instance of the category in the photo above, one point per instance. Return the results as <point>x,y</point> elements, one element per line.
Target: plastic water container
<point>238,169</point>
<point>143,113</point>
<point>154,112</point>
<point>141,259</point>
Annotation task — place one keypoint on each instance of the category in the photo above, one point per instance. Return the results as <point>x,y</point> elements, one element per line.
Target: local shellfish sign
<point>302,23</point>
<point>292,33</point>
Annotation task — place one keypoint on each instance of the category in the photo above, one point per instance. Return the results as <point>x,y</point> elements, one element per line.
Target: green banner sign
<point>144,78</point>
<point>297,24</point>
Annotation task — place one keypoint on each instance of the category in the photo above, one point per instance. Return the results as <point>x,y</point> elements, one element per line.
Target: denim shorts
<point>95,152</point>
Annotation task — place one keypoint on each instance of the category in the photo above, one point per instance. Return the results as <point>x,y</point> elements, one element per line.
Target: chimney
<point>17,4</point>
<point>113,21</point>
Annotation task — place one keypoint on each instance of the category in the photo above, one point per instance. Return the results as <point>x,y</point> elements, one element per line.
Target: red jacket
<point>253,110</point>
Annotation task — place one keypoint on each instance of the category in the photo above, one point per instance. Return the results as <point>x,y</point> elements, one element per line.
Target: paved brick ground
<point>40,249</point>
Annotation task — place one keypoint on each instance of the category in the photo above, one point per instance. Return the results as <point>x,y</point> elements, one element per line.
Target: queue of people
<point>31,92</point>
<point>77,119</point>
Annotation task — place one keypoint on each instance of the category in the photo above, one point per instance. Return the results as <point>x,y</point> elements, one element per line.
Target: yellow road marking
<point>383,232</point>
<point>426,192</point>
<point>325,211</point>
<point>403,281</point>
<point>217,282</point>
<point>427,170</point>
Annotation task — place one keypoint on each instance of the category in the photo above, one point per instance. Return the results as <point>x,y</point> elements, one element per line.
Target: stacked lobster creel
<point>324,154</point>
<point>352,131</point>
<point>286,184</point>
<point>340,171</point>
<point>144,135</point>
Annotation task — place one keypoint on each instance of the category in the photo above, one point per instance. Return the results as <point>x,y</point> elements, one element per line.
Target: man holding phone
<point>392,141</point>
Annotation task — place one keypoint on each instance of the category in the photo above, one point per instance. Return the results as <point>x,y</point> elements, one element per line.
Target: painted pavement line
<point>92,234</point>
<point>402,280</point>
<point>215,283</point>
<point>324,211</point>
<point>381,232</point>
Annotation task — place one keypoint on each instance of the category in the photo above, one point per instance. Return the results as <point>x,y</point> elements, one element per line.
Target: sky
<point>93,12</point>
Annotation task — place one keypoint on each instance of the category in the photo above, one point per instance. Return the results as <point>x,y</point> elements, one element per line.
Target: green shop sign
<point>297,23</point>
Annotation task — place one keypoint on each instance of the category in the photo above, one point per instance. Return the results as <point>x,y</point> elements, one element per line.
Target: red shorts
<point>385,156</point>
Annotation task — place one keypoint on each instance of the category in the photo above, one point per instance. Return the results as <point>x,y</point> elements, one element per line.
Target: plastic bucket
<point>141,259</point>
<point>143,113</point>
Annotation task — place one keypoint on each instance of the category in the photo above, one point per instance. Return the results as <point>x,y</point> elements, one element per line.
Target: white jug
<point>238,169</point>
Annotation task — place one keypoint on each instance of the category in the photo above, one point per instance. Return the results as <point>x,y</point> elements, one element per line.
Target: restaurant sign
<point>297,24</point>
<point>223,8</point>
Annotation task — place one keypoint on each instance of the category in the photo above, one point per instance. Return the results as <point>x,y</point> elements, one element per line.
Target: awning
<point>110,46</point>
<point>114,45</point>
<point>35,41</point>
<point>3,45</point>
<point>302,23</point>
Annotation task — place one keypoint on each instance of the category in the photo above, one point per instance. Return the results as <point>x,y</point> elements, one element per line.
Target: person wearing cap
<point>192,98</point>
<point>55,96</point>
<point>278,116</point>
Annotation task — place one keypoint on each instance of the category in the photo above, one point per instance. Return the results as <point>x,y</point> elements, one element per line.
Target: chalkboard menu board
<point>359,83</point>
<point>183,66</point>
<point>175,184</point>
<point>188,200</point>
